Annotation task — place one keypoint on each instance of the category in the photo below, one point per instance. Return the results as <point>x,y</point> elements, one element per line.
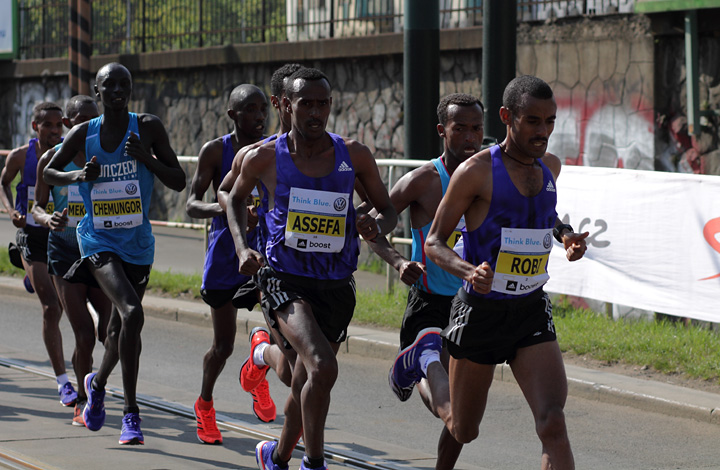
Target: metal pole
<point>421,77</point>
<point>691,72</point>
<point>499,53</point>
<point>84,46</point>
<point>73,77</point>
<point>128,26</point>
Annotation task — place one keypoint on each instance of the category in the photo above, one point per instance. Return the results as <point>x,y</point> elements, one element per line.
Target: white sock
<point>62,380</point>
<point>427,357</point>
<point>258,358</point>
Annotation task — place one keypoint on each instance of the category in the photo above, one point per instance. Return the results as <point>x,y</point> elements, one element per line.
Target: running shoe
<point>68,395</point>
<point>263,404</point>
<point>207,430</point>
<point>28,284</point>
<point>94,411</point>
<point>251,375</point>
<point>263,456</point>
<point>78,417</point>
<point>131,435</point>
<point>303,466</point>
<point>406,372</point>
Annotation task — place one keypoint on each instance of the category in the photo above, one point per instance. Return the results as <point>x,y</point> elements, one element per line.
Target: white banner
<point>654,240</point>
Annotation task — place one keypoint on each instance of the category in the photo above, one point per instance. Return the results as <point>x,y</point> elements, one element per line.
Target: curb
<point>589,384</point>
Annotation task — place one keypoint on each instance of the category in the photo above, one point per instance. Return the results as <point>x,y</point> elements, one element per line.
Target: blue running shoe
<point>131,434</point>
<point>406,372</point>
<point>94,412</point>
<point>263,456</point>
<point>68,395</point>
<point>28,284</point>
<point>303,466</point>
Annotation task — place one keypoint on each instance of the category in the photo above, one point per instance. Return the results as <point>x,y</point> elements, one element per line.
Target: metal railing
<point>137,26</point>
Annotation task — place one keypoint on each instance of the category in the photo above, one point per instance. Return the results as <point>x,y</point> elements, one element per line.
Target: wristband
<point>558,230</point>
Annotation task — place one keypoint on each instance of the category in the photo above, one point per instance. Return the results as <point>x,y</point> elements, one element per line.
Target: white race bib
<point>49,208</point>
<point>75,206</point>
<point>116,204</point>
<point>522,261</point>
<point>316,220</point>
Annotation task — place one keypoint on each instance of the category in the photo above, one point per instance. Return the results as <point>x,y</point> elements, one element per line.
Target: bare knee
<point>133,317</point>
<point>324,372</point>
<point>222,350</point>
<point>464,432</point>
<point>550,427</point>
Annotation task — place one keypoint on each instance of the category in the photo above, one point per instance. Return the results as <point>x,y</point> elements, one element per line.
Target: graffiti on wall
<point>604,134</point>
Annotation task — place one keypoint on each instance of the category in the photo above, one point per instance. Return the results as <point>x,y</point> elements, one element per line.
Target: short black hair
<point>459,99</point>
<point>72,107</point>
<point>307,74</point>
<point>43,106</point>
<point>277,81</point>
<point>241,93</point>
<point>105,70</point>
<point>524,85</point>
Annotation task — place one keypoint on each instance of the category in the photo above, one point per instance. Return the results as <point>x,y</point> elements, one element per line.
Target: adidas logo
<point>344,167</point>
<point>550,187</point>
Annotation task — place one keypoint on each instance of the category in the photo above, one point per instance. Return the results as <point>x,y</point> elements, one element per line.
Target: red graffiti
<point>712,228</point>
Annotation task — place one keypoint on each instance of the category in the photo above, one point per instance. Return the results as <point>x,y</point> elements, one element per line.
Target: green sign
<point>656,6</point>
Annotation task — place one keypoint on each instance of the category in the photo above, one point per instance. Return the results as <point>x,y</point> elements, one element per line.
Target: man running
<point>224,289</point>
<point>460,124</point>
<point>124,152</point>
<point>311,247</point>
<point>63,251</point>
<point>507,194</point>
<point>31,238</point>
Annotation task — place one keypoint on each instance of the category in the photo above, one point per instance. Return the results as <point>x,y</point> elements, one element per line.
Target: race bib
<point>456,236</point>
<point>316,220</point>
<point>116,204</point>
<point>75,206</point>
<point>49,208</point>
<point>522,261</point>
<point>255,194</point>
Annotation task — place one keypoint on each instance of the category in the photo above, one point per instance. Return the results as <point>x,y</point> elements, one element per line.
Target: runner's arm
<point>57,220</point>
<point>164,164</point>
<point>209,166</point>
<point>54,173</point>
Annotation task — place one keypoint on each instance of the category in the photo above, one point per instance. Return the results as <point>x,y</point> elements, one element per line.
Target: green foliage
<point>177,284</point>
<point>6,268</point>
<point>379,308</point>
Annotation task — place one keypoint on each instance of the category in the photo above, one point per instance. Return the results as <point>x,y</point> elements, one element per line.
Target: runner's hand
<point>18,219</point>
<point>410,272</point>
<point>58,221</point>
<point>91,170</point>
<point>252,218</point>
<point>575,245</point>
<point>367,227</point>
<point>482,278</point>
<point>134,148</point>
<point>250,262</point>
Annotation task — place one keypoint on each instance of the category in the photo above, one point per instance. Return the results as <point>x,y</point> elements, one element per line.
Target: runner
<point>460,118</point>
<point>63,251</point>
<point>31,238</point>
<point>311,249</point>
<point>507,195</point>
<point>224,289</point>
<point>115,235</point>
<point>264,353</point>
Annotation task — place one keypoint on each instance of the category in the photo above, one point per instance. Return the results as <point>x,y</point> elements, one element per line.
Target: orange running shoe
<point>251,375</point>
<point>78,418</point>
<point>263,404</point>
<point>207,430</point>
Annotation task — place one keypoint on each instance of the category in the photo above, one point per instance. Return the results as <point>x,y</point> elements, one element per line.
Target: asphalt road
<point>364,417</point>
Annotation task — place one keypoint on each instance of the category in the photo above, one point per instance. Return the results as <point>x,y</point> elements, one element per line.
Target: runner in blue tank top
<point>264,355</point>
<point>460,124</point>
<point>124,152</point>
<point>63,251</point>
<point>224,289</point>
<point>31,239</point>
<point>507,194</point>
<point>311,248</point>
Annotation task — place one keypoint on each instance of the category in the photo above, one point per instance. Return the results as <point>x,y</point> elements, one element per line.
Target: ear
<point>275,101</point>
<point>67,122</point>
<point>441,130</point>
<point>286,104</point>
<point>505,115</point>
<point>232,114</point>
<point>34,126</point>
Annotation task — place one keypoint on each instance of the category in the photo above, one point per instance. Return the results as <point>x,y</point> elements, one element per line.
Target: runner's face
<point>310,107</point>
<point>49,128</point>
<point>531,127</point>
<point>114,88</point>
<point>463,131</point>
<point>252,116</point>
<point>86,112</point>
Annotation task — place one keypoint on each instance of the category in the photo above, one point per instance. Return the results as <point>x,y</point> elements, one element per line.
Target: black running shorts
<point>491,331</point>
<point>423,311</point>
<point>332,302</point>
<point>32,243</point>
